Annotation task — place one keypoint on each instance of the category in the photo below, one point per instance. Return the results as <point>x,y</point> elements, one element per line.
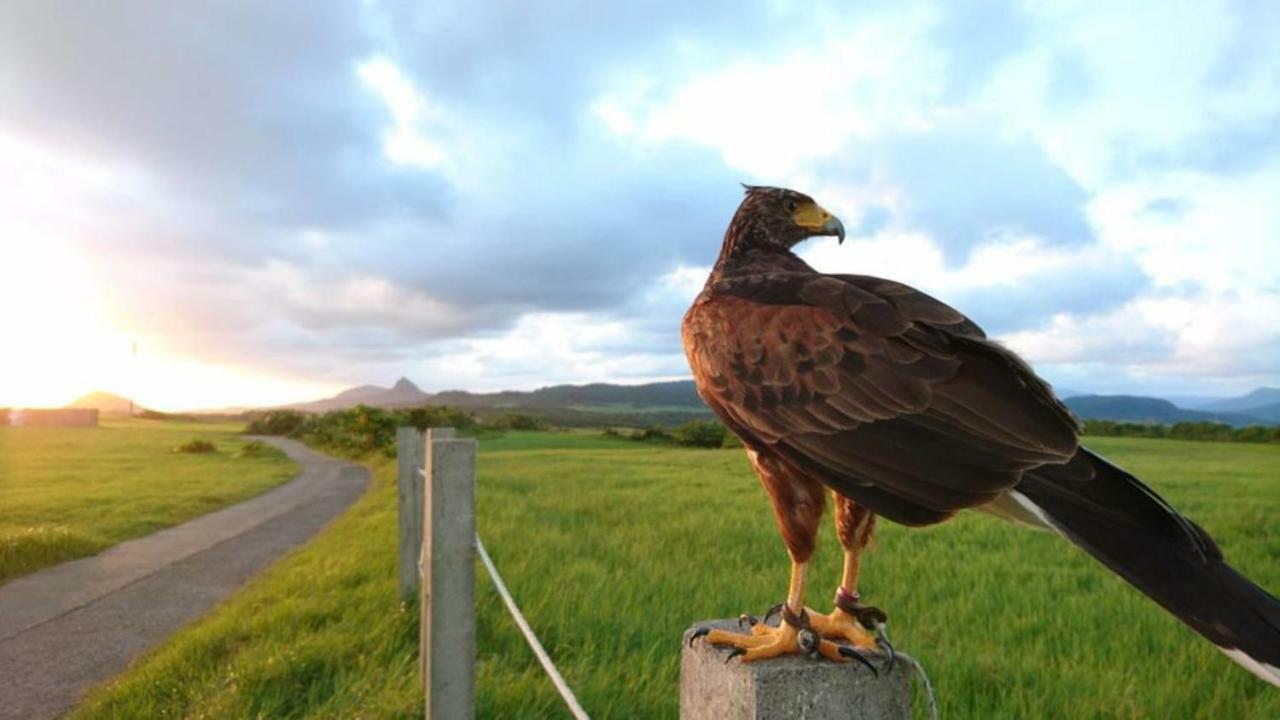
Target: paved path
<point>68,627</point>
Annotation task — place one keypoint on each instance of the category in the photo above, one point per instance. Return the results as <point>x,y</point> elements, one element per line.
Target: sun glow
<point>56,344</point>
<point>59,336</point>
<point>60,343</point>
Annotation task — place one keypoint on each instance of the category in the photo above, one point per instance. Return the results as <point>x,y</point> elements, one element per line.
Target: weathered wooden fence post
<point>409,463</point>
<point>448,627</point>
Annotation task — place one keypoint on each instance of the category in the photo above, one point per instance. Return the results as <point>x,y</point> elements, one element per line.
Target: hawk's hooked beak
<point>833,226</point>
<point>817,221</point>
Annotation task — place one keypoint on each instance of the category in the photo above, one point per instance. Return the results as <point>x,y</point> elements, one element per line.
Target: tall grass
<point>613,549</point>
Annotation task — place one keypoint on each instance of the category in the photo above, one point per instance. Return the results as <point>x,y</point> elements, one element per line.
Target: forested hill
<point>1132,408</point>
<point>673,394</point>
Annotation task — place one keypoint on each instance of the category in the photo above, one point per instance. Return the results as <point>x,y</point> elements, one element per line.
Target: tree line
<point>365,429</point>
<point>1202,430</point>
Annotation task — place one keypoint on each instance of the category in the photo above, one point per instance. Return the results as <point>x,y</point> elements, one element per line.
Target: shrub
<point>1253,433</point>
<point>428,416</point>
<point>359,429</point>
<point>364,429</point>
<point>517,421</point>
<point>157,415</point>
<point>700,433</point>
<point>277,422</point>
<point>653,434</point>
<point>1200,431</point>
<point>198,445</point>
<point>258,449</point>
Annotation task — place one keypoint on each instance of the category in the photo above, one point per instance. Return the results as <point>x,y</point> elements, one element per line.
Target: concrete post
<point>409,463</point>
<point>789,687</point>
<point>448,626</point>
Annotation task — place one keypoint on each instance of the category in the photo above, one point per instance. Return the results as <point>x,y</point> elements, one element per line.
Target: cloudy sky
<point>223,203</point>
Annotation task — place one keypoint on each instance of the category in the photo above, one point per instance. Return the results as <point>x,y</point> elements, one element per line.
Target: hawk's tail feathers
<point>1129,528</point>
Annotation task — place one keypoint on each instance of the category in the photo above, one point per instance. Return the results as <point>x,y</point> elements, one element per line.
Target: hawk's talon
<point>735,653</point>
<point>700,632</point>
<point>853,654</point>
<point>869,616</point>
<point>882,641</point>
<point>767,641</point>
<point>774,610</point>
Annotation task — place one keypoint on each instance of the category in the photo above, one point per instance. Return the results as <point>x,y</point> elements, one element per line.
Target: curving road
<point>68,627</point>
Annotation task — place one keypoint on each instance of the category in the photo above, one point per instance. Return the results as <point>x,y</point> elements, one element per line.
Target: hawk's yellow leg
<point>841,624</point>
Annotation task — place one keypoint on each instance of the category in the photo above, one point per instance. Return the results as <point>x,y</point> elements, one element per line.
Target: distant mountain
<point>1131,408</point>
<point>673,394</point>
<point>677,396</point>
<point>1260,398</point>
<point>402,394</point>
<point>1193,402</point>
<point>360,392</point>
<point>1270,413</point>
<point>106,403</point>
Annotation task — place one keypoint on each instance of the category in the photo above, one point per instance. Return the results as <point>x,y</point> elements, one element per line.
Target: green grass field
<point>67,493</point>
<point>614,548</point>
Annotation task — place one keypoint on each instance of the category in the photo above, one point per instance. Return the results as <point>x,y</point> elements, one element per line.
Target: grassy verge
<point>612,549</point>
<point>67,493</point>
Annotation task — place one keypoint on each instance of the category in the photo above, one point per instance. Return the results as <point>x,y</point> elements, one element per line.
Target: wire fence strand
<point>541,652</point>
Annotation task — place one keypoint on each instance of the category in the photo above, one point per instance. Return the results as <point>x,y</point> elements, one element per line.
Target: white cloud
<point>1173,345</point>
<point>1141,81</point>
<point>353,300</point>
<point>772,117</point>
<point>685,281</point>
<point>1223,236</point>
<point>550,348</point>
<point>414,119</point>
<point>1009,261</point>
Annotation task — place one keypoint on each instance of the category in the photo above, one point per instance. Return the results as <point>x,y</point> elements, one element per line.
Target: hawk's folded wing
<point>887,395</point>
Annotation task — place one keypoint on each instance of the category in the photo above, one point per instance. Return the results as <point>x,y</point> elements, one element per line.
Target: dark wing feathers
<point>1125,525</point>
<point>891,397</point>
<point>916,305</point>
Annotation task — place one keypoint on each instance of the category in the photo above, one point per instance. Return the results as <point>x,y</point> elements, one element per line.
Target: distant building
<point>52,417</point>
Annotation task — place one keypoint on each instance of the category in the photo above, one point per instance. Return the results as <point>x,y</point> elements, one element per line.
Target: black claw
<point>734,653</point>
<point>869,616</point>
<point>748,620</point>
<point>772,611</point>
<point>853,654</point>
<point>700,632</point>
<point>883,641</point>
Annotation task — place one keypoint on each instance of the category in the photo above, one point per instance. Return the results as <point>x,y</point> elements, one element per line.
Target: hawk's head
<point>780,218</point>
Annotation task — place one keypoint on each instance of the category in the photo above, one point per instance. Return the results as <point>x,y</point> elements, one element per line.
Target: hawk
<point>902,408</point>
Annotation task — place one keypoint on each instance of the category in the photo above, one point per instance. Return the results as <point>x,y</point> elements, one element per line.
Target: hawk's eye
<point>791,206</point>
